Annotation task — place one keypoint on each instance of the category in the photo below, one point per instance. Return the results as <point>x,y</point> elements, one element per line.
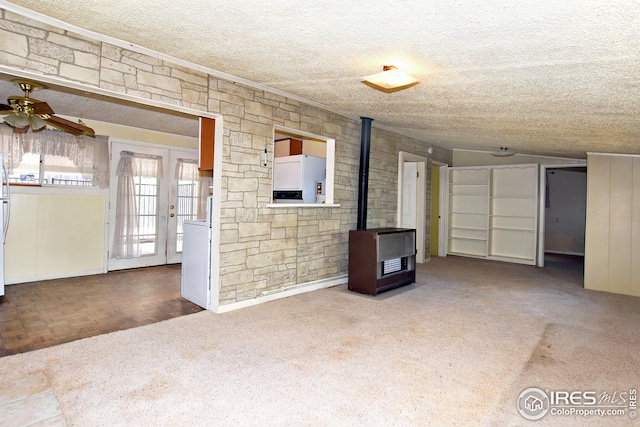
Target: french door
<point>148,203</point>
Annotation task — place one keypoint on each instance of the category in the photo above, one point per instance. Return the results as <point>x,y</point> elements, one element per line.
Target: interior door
<point>409,194</point>
<point>183,194</point>
<point>148,231</point>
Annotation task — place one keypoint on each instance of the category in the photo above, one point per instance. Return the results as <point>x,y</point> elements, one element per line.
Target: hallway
<point>47,313</point>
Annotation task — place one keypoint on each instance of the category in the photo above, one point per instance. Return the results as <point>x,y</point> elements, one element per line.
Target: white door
<point>183,199</point>
<point>161,202</point>
<point>138,234</point>
<point>409,194</point>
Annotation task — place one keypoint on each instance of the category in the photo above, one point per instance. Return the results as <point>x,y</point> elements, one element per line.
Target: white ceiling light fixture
<point>390,80</point>
<point>503,152</point>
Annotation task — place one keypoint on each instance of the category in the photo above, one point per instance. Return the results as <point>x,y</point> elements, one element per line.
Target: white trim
<point>283,293</point>
<point>421,184</point>
<point>443,208</point>
<point>590,153</point>
<point>27,279</point>
<point>104,92</point>
<point>64,190</point>
<point>216,221</point>
<point>569,159</point>
<point>542,197</point>
<point>329,171</point>
<point>302,205</point>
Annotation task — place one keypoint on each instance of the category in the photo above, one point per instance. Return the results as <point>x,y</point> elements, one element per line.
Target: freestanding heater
<point>381,258</point>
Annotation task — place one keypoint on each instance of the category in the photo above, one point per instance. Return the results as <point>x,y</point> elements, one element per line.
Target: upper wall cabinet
<point>207,137</point>
<point>493,212</point>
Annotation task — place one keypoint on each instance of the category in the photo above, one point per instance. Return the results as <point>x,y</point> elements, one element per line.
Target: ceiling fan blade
<point>5,109</point>
<point>42,108</point>
<point>69,126</point>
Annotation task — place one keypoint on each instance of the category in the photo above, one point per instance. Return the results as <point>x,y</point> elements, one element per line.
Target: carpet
<point>454,349</point>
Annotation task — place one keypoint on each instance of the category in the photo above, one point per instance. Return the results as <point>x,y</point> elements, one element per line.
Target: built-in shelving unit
<point>493,212</point>
<point>468,211</point>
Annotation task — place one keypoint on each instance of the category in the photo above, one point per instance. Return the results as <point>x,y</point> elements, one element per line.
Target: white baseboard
<point>26,279</point>
<point>283,293</point>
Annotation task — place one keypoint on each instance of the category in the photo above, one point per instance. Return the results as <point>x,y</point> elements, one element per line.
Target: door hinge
<point>418,174</point>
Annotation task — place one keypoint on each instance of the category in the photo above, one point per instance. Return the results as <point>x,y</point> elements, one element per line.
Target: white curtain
<point>126,243</point>
<point>90,155</point>
<point>187,170</point>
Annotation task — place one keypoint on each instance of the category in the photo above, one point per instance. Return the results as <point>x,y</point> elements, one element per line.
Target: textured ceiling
<point>548,77</point>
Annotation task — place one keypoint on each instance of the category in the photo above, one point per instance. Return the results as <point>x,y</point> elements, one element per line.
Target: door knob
<point>172,215</point>
<point>171,206</point>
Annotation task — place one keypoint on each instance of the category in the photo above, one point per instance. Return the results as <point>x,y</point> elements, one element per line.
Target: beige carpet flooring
<point>454,349</point>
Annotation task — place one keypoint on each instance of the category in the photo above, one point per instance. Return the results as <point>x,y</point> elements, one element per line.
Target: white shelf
<point>493,212</point>
<point>453,227</point>
<point>477,239</point>
<point>512,198</point>
<point>527,230</point>
<point>485,184</point>
<point>512,216</point>
<point>468,254</point>
<point>469,213</point>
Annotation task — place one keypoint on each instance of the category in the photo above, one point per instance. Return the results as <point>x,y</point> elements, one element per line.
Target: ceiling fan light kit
<point>24,112</point>
<point>390,80</point>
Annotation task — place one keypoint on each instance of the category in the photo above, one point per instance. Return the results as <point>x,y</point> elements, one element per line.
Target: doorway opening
<point>563,207</point>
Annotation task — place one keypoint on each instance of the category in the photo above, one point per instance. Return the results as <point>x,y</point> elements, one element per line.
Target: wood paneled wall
<point>612,240</point>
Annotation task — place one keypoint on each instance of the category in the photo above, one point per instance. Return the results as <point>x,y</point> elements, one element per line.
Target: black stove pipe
<point>363,177</point>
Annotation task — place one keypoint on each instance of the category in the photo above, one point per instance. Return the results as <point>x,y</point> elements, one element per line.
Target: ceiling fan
<point>23,111</point>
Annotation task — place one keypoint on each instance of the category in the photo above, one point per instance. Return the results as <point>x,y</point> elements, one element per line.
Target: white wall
<point>54,233</point>
<point>612,244</point>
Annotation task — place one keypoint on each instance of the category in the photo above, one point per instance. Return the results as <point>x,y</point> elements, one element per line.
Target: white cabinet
<point>493,212</point>
<point>196,273</point>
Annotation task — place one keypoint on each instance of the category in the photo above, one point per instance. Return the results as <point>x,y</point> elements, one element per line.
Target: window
<point>50,157</point>
<point>41,169</point>
<point>303,167</point>
<point>193,189</point>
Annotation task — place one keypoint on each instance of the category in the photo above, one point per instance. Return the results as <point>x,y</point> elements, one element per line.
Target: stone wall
<point>261,249</point>
<point>30,45</point>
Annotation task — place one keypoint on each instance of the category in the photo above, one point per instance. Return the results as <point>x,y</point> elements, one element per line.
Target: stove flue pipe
<point>363,177</point>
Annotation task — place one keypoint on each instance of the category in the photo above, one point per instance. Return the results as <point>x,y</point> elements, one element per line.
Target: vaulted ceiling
<point>547,77</point>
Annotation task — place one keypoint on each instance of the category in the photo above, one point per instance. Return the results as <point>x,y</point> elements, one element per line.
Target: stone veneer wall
<point>261,249</point>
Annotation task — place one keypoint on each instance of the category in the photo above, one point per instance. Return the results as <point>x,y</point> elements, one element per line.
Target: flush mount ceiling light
<point>390,80</point>
<point>503,152</point>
